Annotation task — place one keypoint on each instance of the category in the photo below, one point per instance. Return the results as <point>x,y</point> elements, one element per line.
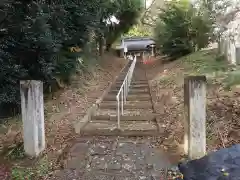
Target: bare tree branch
<point>147,10</point>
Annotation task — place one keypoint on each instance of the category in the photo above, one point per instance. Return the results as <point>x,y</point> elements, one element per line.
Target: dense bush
<point>138,30</point>
<point>127,13</point>
<point>35,38</point>
<point>180,30</point>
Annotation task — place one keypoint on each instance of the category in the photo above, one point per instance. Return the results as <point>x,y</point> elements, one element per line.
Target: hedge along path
<point>101,151</point>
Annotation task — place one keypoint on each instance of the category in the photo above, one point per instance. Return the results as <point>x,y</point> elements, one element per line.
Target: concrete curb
<point>84,121</point>
<point>153,96</point>
<point>79,125</point>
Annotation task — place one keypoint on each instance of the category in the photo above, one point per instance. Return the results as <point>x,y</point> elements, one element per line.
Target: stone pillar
<point>125,51</point>
<point>121,53</point>
<point>32,116</point>
<point>233,53</point>
<point>152,50</point>
<point>195,116</point>
<point>238,54</point>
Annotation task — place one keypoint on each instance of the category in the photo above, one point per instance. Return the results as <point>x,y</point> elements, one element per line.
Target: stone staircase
<point>138,117</point>
<point>103,152</point>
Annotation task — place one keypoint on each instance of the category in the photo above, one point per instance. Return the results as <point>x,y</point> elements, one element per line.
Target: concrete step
<point>139,81</point>
<point>126,112</point>
<point>122,77</point>
<point>128,105</point>
<point>133,86</point>
<point>130,97</point>
<point>128,128</point>
<point>134,82</point>
<point>141,89</point>
<point>132,91</point>
<point>146,117</point>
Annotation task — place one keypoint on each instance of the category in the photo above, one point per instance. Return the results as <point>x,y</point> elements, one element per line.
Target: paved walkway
<point>113,158</point>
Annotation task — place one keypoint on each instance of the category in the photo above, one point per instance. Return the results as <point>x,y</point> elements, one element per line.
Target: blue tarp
<point>223,164</point>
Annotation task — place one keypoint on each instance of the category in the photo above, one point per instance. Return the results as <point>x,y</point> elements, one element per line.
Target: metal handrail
<point>124,89</point>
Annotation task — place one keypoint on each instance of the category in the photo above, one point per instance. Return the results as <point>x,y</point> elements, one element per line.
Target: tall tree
<point>36,36</point>
<point>180,30</point>
<point>220,13</point>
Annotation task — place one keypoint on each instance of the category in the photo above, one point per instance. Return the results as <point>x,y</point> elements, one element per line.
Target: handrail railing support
<point>123,91</point>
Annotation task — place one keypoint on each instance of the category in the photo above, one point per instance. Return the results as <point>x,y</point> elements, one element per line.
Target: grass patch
<point>166,79</point>
<point>232,79</point>
<point>215,67</point>
<point>205,62</point>
<point>19,173</point>
<point>40,169</point>
<point>15,152</point>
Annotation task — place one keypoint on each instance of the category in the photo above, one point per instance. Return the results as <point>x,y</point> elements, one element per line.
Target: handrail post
<point>126,86</point>
<point>125,92</point>
<point>122,101</point>
<point>118,113</point>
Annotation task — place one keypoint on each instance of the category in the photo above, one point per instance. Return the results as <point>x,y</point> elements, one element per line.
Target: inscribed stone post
<point>195,116</point>
<point>238,54</point>
<point>33,116</point>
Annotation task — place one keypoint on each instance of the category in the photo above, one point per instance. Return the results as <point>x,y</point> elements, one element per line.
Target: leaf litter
<point>223,111</point>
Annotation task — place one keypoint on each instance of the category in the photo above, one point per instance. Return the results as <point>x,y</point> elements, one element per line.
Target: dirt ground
<point>61,111</point>
<point>222,104</point>
<point>164,97</point>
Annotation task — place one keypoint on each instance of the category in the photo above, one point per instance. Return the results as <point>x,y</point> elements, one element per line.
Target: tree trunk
<point>219,49</point>
<point>108,47</point>
<point>101,50</point>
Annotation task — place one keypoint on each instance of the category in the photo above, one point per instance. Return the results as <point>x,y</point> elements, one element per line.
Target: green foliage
<point>21,174</point>
<point>232,79</point>
<point>214,11</point>
<point>127,14</point>
<point>35,37</point>
<point>40,170</point>
<point>138,30</point>
<point>205,62</point>
<point>179,30</point>
<point>14,152</point>
<point>200,29</point>
<point>65,64</point>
